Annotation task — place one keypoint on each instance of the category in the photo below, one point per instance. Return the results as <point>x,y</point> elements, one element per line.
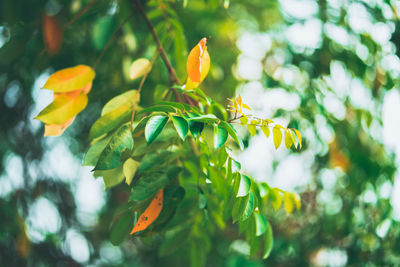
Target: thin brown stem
<point>141,86</point>
<point>117,31</point>
<point>171,71</point>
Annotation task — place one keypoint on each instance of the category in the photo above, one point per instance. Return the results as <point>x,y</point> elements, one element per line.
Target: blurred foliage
<point>340,218</point>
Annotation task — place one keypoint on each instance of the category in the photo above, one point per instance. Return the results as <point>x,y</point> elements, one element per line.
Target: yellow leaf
<point>296,200</point>
<point>276,198</point>
<point>246,106</point>
<point>239,100</point>
<point>244,120</point>
<point>298,136</point>
<point>266,130</point>
<point>57,129</point>
<point>151,213</point>
<point>62,109</point>
<point>277,136</point>
<point>288,139</point>
<point>293,137</point>
<point>129,169</point>
<point>139,67</point>
<point>198,63</point>
<point>252,127</point>
<point>288,203</point>
<point>70,79</point>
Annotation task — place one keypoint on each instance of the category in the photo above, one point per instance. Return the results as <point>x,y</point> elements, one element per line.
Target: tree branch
<point>171,71</point>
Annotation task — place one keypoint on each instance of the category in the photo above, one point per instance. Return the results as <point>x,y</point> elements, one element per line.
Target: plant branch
<point>171,71</point>
<point>112,38</point>
<point>141,86</point>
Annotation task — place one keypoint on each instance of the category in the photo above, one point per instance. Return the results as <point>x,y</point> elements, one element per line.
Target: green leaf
<point>268,241</point>
<point>111,177</point>
<point>94,152</point>
<point>266,130</point>
<point>277,136</point>
<point>288,139</point>
<point>129,169</point>
<point>154,127</point>
<point>196,128</point>
<point>260,223</point>
<point>209,118</point>
<point>244,120</point>
<point>232,132</point>
<point>102,30</point>
<point>153,159</point>
<point>121,228</point>
<point>244,186</point>
<point>240,207</point>
<point>181,126</point>
<point>174,238</point>
<point>111,155</point>
<point>202,200</point>
<point>248,211</point>
<point>179,106</point>
<point>157,108</point>
<point>126,99</point>
<point>255,243</point>
<point>275,197</point>
<point>148,185</point>
<point>62,109</point>
<point>110,121</point>
<point>220,136</point>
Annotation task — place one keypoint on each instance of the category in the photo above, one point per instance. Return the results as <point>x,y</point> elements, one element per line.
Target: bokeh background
<point>330,68</point>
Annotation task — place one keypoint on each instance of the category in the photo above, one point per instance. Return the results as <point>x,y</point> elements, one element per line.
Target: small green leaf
<point>181,126</point>
<point>111,155</point>
<point>261,223</point>
<point>139,67</point>
<point>268,241</point>
<point>148,185</point>
<point>62,109</point>
<point>196,128</point>
<point>94,152</point>
<point>174,238</point>
<point>209,118</point>
<point>154,127</point>
<point>240,207</point>
<point>288,139</point>
<point>244,186</point>
<point>110,121</point>
<point>275,197</point>
<point>266,130</point>
<point>293,137</point>
<point>232,132</point>
<point>277,136</point>
<point>111,177</point>
<point>202,200</point>
<point>121,228</point>
<point>220,136</point>
<point>244,120</point>
<point>129,169</point>
<point>249,208</point>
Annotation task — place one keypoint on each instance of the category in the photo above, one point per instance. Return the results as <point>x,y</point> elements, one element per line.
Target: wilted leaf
<point>139,67</point>
<point>62,109</point>
<point>151,213</point>
<point>70,79</point>
<point>52,33</point>
<point>154,127</point>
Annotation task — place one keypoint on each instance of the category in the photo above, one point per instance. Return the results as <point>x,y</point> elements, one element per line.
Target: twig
<point>171,71</point>
<point>111,39</point>
<point>77,16</point>
<point>141,86</point>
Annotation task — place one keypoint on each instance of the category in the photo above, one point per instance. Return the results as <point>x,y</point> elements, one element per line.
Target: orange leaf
<point>70,79</point>
<point>198,63</point>
<point>73,94</point>
<point>151,213</point>
<point>57,129</point>
<point>52,33</point>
